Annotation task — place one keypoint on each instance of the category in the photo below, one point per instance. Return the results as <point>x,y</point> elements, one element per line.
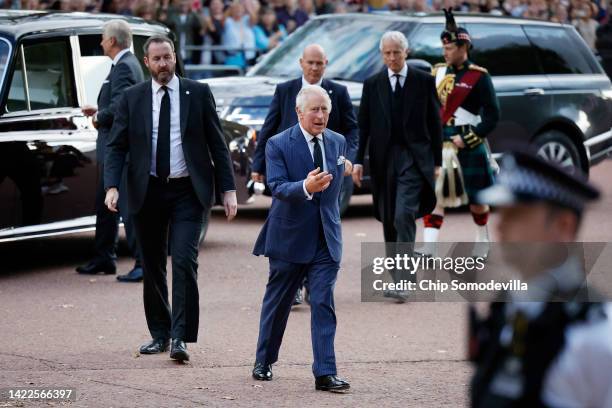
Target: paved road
<point>61,329</point>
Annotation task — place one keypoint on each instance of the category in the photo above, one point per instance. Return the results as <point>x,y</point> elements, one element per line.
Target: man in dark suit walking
<point>125,72</point>
<point>178,156</point>
<point>282,114</point>
<point>302,235</point>
<point>399,118</point>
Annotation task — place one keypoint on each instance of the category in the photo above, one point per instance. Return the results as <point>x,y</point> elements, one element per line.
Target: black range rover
<point>551,89</point>
<point>50,65</point>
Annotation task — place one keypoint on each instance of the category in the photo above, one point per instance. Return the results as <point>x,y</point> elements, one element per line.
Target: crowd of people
<point>237,31</point>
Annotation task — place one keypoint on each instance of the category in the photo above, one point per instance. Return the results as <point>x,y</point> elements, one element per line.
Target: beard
<point>163,77</point>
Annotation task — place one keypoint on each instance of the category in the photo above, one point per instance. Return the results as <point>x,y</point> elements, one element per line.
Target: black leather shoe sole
<point>179,355</point>
<point>338,388</point>
<point>153,350</point>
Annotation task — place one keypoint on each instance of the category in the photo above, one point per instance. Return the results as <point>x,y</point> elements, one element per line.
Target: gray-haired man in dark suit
<point>125,72</point>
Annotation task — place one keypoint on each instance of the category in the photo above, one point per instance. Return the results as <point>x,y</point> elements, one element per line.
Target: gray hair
<point>395,36</point>
<point>302,97</point>
<point>121,31</point>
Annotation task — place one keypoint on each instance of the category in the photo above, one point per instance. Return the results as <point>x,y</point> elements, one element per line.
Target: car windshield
<point>5,49</point>
<point>351,47</point>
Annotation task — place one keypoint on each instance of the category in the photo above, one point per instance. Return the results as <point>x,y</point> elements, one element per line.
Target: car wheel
<point>556,147</point>
<point>205,221</point>
<point>345,194</point>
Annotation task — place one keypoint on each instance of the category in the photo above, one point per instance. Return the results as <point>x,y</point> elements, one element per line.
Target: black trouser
<point>173,207</point>
<point>107,224</point>
<point>407,185</point>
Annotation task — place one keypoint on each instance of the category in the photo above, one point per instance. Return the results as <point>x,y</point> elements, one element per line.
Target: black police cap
<point>525,177</point>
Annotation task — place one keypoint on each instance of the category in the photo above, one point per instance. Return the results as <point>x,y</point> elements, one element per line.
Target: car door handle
<point>533,91</point>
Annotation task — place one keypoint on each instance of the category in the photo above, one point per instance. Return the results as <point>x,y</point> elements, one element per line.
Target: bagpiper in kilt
<point>469,112</point>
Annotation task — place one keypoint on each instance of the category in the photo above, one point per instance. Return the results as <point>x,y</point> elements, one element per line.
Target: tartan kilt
<point>477,171</point>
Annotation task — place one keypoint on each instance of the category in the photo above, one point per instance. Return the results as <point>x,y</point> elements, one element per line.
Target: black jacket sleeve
<point>434,123</point>
<point>269,129</point>
<point>350,128</point>
<point>118,145</point>
<point>364,123</point>
<point>489,111</point>
<point>224,172</point>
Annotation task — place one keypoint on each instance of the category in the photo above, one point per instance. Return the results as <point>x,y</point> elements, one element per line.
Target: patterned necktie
<point>317,154</point>
<point>163,137</point>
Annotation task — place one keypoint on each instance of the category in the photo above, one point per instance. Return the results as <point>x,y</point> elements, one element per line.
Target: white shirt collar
<point>402,73</point>
<point>306,83</point>
<point>119,55</point>
<point>173,85</point>
<point>308,136</point>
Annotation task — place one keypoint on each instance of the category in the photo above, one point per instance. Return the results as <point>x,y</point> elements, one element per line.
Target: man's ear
<point>146,61</point>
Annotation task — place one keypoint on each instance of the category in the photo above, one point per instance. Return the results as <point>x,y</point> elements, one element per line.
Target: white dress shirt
<point>393,78</point>
<point>310,144</point>
<point>306,83</point>
<point>178,166</point>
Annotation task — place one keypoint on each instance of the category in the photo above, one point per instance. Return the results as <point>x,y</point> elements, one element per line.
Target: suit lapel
<point>331,156</point>
<point>384,95</point>
<point>185,98</point>
<point>147,109</point>
<point>302,152</point>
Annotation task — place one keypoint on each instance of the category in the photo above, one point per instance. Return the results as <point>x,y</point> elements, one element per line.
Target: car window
<point>558,52</point>
<point>5,49</point>
<point>425,43</point>
<point>95,66</point>
<point>351,47</point>
<point>47,74</point>
<point>503,49</point>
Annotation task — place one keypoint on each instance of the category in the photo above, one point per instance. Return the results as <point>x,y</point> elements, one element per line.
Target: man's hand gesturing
<point>317,181</point>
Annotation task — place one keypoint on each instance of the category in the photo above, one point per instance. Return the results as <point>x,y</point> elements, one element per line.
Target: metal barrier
<point>208,70</point>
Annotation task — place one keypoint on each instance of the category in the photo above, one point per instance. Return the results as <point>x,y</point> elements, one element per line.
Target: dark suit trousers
<point>284,279</point>
<point>107,223</point>
<point>406,185</point>
<point>170,207</point>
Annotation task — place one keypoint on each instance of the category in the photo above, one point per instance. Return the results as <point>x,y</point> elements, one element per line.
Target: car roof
<point>17,23</point>
<point>439,18</point>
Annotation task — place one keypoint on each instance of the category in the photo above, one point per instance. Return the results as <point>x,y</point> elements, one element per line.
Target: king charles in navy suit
<point>302,236</point>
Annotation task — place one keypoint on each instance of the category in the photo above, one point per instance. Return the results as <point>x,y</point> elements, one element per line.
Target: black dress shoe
<point>331,383</point>
<point>155,346</point>
<point>93,268</point>
<point>262,372</point>
<point>179,350</point>
<point>135,275</point>
<point>298,298</point>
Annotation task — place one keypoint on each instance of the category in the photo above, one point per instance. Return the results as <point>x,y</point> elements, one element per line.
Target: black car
<point>552,91</point>
<point>50,65</point>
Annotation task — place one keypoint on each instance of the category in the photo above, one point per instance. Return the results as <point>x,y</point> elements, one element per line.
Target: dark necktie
<point>317,155</point>
<point>398,85</point>
<point>163,137</point>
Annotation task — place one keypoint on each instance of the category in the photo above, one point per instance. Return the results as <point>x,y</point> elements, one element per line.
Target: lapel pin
<point>330,91</point>
<point>187,92</point>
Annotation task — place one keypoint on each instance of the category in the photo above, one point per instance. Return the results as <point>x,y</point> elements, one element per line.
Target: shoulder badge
<point>478,68</point>
<point>435,68</point>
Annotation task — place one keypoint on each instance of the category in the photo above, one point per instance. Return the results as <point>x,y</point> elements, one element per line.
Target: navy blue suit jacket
<point>282,116</point>
<point>291,231</point>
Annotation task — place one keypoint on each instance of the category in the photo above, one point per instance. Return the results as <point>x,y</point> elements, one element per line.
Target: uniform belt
<point>449,131</point>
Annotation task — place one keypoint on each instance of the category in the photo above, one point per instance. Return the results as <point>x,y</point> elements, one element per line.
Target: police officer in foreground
<point>470,111</point>
<point>549,350</point>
